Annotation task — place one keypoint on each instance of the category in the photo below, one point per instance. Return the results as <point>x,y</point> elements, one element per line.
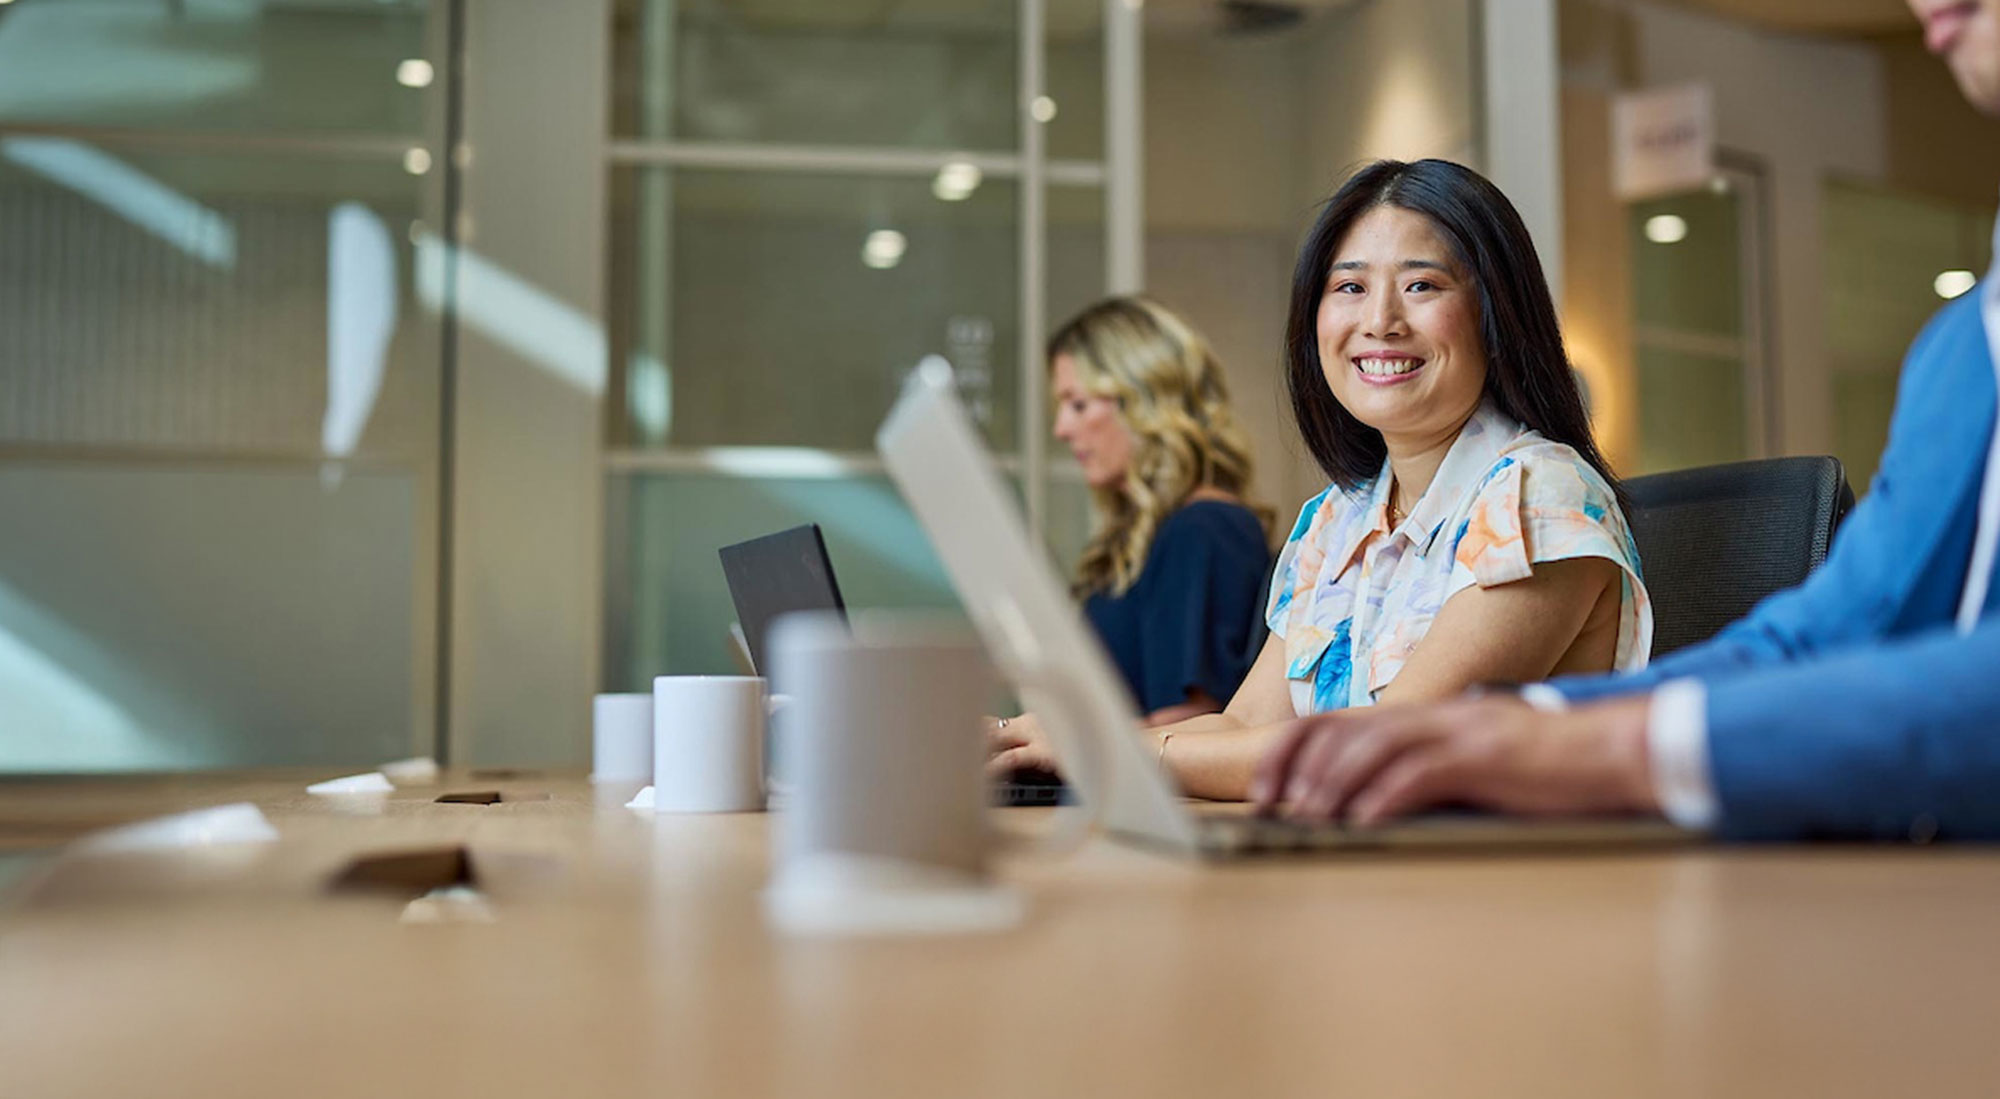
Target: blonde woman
<point>1173,579</point>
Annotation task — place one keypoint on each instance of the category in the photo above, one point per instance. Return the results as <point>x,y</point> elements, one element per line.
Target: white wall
<point>1808,109</point>
<point>1224,142</point>
<point>1224,131</point>
<point>1245,136</point>
<point>1389,78</point>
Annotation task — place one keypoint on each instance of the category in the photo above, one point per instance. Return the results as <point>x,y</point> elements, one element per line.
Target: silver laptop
<point>1039,640</point>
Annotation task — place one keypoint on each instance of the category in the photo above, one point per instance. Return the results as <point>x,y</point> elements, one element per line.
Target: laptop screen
<point>776,575</point>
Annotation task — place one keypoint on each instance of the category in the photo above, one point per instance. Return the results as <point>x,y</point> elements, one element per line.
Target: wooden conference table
<point>626,954</point>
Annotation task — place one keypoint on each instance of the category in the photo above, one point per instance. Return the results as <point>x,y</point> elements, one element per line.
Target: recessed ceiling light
<point>957,180</point>
<point>884,249</point>
<point>1952,283</point>
<point>1666,228</point>
<point>415,73</point>
<point>417,161</point>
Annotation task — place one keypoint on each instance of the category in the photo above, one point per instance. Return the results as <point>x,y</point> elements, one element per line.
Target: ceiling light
<point>1043,108</point>
<point>956,180</point>
<point>1950,284</point>
<point>414,73</point>
<point>884,249</point>
<point>417,161</point>
<point>1666,228</point>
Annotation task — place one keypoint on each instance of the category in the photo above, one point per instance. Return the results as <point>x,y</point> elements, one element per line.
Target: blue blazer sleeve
<point>1899,560</point>
<point>1891,741</point>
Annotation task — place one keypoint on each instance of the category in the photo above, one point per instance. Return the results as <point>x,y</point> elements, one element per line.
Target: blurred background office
<point>378,377</point>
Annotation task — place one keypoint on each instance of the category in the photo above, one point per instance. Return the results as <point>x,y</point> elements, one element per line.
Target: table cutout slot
<point>412,873</point>
<point>470,797</point>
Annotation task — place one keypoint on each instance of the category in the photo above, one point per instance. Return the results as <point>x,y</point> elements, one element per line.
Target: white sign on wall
<point>1662,141</point>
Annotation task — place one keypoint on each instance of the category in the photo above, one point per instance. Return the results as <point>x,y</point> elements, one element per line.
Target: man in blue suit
<point>1864,703</point>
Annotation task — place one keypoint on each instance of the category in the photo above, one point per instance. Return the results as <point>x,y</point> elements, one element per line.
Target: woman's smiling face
<point>1398,329</point>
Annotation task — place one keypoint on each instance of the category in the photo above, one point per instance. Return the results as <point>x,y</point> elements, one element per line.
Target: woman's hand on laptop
<point>1496,752</point>
<point>1018,744</point>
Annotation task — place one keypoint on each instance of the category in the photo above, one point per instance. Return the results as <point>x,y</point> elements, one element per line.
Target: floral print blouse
<point>1352,597</point>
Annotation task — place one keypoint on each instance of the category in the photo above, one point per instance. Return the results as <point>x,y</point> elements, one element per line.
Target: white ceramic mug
<point>621,738</point>
<point>708,743</point>
<point>886,827</point>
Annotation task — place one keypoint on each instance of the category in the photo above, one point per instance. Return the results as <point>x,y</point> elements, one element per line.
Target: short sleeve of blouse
<point>1536,507</point>
<point>1285,575</point>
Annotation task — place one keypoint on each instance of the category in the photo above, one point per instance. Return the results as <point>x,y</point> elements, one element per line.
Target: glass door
<point>806,201</point>
<point>1704,374</point>
<point>219,384</point>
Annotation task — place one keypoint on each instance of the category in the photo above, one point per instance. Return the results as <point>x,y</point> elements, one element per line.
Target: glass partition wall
<point>806,200</point>
<point>231,388</point>
<point>1892,259</point>
<point>1704,371</point>
<point>219,382</point>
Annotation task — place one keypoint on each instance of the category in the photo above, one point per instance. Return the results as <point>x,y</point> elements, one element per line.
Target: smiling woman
<point>1472,532</point>
<point>1428,378</point>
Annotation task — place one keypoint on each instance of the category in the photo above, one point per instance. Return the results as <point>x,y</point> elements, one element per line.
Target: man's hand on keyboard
<point>1368,765</point>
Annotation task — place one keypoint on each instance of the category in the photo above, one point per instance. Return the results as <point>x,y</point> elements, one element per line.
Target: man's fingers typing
<point>1416,780</point>
<point>1267,784</point>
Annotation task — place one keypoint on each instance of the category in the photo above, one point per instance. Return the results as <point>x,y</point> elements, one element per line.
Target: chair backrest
<point>1715,540</point>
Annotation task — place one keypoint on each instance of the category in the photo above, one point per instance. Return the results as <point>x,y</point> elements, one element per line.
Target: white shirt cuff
<point>1677,744</point>
<point>1545,698</point>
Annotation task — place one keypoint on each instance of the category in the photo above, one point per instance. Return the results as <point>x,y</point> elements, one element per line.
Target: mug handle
<point>1092,785</point>
<point>773,705</point>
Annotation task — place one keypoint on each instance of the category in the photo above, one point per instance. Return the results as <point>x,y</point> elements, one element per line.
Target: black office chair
<point>1715,540</point>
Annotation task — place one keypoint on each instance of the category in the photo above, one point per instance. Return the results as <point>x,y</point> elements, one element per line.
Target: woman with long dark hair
<point>1472,531</point>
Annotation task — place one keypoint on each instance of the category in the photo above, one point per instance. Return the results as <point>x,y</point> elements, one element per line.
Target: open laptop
<point>1038,638</point>
<point>776,575</point>
<point>790,571</point>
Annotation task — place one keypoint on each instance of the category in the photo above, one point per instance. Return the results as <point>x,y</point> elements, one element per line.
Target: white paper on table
<point>417,771</point>
<point>240,822</point>
<point>374,782</point>
<point>451,904</point>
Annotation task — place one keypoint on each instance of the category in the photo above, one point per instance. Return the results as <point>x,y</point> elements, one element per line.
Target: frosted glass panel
<point>670,610</point>
<point>784,310</point>
<point>1690,410</point>
<point>175,619</point>
<point>218,460</point>
<point>930,73</point>
<point>235,65</point>
<point>185,301</point>
<point>1693,355</point>
<point>1883,253</point>
<point>1691,282</point>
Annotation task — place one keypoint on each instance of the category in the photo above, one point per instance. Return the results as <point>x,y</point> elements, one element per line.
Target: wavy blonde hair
<point>1172,398</point>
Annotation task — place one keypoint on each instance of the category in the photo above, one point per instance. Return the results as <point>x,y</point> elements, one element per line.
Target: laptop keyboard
<point>1031,788</point>
<point>1255,835</point>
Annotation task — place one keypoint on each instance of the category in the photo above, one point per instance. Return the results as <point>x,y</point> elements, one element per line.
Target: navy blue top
<point>1194,617</point>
